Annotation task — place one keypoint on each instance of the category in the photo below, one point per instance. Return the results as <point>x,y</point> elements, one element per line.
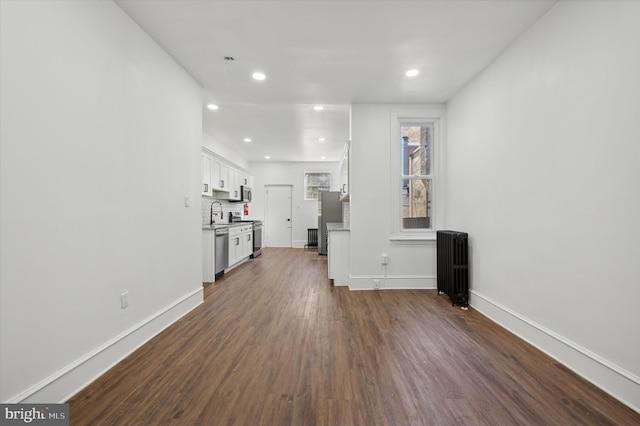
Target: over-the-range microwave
<point>245,194</point>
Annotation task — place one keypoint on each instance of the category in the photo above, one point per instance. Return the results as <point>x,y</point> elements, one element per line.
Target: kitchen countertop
<point>221,225</point>
<point>337,226</point>
<point>214,226</point>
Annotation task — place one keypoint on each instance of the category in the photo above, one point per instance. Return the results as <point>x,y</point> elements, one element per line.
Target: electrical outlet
<point>376,284</point>
<point>124,299</point>
<point>384,259</point>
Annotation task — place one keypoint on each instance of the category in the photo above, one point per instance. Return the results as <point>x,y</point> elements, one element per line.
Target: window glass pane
<point>416,149</point>
<point>315,182</point>
<point>416,203</point>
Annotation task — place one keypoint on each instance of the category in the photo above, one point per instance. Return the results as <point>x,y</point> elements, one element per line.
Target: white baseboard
<point>298,243</point>
<point>365,282</point>
<point>71,379</point>
<point>294,244</point>
<point>616,381</point>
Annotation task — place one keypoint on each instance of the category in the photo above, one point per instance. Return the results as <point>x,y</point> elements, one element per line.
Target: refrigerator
<point>329,210</point>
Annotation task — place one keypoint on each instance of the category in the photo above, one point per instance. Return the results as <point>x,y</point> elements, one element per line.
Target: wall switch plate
<point>384,259</point>
<point>187,201</point>
<point>124,299</point>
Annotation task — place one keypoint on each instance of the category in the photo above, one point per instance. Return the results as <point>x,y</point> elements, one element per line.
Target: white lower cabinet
<point>235,249</point>
<point>240,243</point>
<point>248,249</point>
<point>338,257</point>
<point>208,256</point>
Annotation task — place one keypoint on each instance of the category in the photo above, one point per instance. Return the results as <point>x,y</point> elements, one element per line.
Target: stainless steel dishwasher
<point>222,250</point>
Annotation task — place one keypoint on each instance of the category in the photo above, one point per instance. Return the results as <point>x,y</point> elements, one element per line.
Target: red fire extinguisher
<point>246,209</point>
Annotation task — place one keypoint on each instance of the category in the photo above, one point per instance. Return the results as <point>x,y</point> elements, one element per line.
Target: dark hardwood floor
<point>276,344</point>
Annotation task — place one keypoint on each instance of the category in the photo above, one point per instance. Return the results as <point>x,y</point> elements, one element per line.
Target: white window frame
<point>434,118</point>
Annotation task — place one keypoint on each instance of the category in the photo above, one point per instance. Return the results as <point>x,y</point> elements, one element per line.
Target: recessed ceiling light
<point>267,157</point>
<point>323,158</point>
<point>321,139</point>
<point>318,108</point>
<point>212,107</point>
<point>259,76</point>
<point>247,139</point>
<point>412,73</point>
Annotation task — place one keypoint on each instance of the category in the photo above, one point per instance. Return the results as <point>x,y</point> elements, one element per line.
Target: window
<point>315,182</point>
<point>414,148</point>
<point>416,142</point>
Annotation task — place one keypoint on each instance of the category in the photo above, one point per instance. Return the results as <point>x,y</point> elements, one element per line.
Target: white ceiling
<point>328,52</point>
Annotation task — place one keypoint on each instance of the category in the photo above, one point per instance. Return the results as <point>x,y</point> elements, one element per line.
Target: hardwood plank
<point>276,344</point>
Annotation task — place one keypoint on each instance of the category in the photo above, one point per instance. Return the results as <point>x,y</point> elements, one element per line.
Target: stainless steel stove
<point>257,238</point>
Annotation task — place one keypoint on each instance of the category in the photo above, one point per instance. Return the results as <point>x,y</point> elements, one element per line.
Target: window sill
<point>427,236</point>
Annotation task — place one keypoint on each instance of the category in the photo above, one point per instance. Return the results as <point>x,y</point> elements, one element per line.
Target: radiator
<point>312,237</point>
<point>453,266</point>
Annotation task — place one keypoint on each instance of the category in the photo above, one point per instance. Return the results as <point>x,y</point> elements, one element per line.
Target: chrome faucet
<point>211,211</point>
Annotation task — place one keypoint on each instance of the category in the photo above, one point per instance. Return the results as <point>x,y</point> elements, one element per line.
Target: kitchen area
<point>232,236</point>
<point>229,238</point>
<point>335,222</point>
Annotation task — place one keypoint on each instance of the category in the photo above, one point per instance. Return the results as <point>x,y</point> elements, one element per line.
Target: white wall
<point>411,263</point>
<point>223,151</point>
<point>305,212</point>
<point>543,172</point>
<point>103,130</point>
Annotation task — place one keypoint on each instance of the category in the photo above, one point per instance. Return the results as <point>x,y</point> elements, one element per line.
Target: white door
<point>278,221</point>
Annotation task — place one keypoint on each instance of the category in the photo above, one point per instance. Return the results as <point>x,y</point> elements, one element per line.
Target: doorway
<point>278,221</point>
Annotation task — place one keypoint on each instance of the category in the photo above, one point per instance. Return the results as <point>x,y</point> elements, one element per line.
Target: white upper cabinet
<point>207,164</point>
<point>214,175</point>
<point>244,179</point>
<point>234,184</point>
<point>222,178</point>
